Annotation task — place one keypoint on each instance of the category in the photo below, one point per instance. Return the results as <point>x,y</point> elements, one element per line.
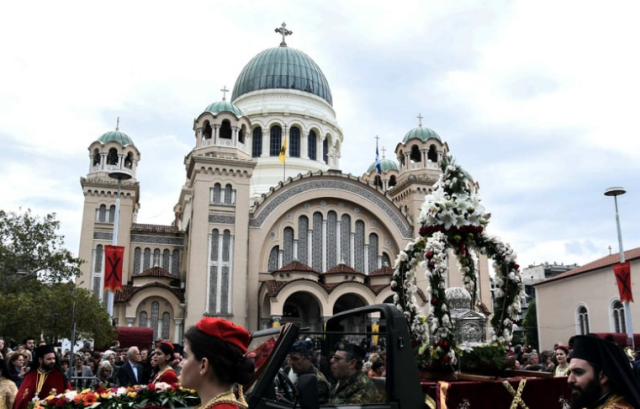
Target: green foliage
<point>37,298</point>
<point>483,358</point>
<point>530,324</point>
<point>31,249</point>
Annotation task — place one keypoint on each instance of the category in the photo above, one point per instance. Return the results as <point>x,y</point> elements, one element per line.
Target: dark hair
<point>4,369</point>
<point>377,365</point>
<point>165,348</point>
<point>228,363</point>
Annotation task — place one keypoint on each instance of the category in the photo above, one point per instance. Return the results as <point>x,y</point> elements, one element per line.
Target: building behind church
<point>256,240</point>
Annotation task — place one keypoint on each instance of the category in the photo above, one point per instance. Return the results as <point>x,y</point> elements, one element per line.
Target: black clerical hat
<point>43,350</point>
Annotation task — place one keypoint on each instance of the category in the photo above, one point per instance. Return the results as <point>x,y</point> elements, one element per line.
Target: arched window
<point>317,244</point>
<point>128,161</point>
<point>312,145</point>
<point>137,260</point>
<point>345,239</point>
<point>175,262</point>
<point>386,260</point>
<point>416,155</point>
<point>146,263</point>
<point>142,319</point>
<point>217,197</point>
<point>228,191</point>
<point>617,311</point>
<point>155,315</point>
<point>215,237</point>
<point>256,143</point>
<point>225,129</point>
<point>156,258</point>
<point>112,157</point>
<point>226,245</point>
<point>166,260</point>
<point>98,264</point>
<point>112,214</point>
<point>392,181</point>
<point>432,155</point>
<point>373,252</point>
<point>303,245</point>
<point>332,239</point>
<point>325,150</point>
<point>207,132</point>
<point>294,150</point>
<point>102,214</point>
<point>288,246</point>
<point>378,182</point>
<point>273,259</point>
<point>96,157</point>
<point>166,321</point>
<point>583,320</point>
<point>276,141</point>
<point>359,246</point>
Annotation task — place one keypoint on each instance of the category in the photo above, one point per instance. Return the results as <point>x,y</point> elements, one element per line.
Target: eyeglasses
<point>338,357</point>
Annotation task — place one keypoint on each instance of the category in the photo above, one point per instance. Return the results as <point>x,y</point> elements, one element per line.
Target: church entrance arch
<point>348,302</point>
<point>302,308</point>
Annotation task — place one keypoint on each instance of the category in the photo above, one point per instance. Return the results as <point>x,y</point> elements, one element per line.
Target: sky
<point>535,99</point>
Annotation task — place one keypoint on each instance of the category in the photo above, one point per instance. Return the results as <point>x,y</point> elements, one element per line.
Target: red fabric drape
<point>113,268</point>
<point>622,272</point>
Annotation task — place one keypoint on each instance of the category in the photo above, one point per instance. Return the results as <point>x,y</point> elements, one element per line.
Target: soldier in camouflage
<point>354,386</point>
<point>300,360</point>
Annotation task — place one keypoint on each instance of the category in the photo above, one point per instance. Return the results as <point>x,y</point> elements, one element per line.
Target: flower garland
<point>453,218</point>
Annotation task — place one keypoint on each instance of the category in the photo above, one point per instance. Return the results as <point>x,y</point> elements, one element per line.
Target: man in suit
<point>131,372</point>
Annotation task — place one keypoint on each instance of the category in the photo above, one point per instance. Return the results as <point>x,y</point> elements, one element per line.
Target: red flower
<point>431,264</point>
<point>445,344</point>
<point>61,402</point>
<point>152,386</point>
<point>516,266</point>
<point>429,254</point>
<point>434,300</point>
<point>446,358</point>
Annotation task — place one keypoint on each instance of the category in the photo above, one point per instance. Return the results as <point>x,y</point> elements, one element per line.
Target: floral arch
<point>453,221</point>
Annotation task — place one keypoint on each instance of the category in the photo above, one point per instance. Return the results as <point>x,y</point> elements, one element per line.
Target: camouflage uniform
<point>357,389</point>
<point>324,387</point>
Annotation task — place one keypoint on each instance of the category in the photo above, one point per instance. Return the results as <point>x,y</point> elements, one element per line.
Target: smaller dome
<point>385,165</point>
<point>116,136</point>
<point>458,297</point>
<point>421,133</point>
<point>224,106</point>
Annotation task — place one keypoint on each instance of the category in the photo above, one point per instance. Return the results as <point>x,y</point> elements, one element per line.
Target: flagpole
<point>119,175</point>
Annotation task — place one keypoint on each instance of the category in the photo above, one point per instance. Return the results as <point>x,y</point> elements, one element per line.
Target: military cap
<point>304,347</point>
<point>355,350</point>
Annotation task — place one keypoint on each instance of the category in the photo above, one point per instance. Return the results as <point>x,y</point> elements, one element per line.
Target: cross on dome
<point>419,120</point>
<point>377,138</point>
<point>383,151</point>
<point>224,93</point>
<point>283,30</point>
<point>118,124</point>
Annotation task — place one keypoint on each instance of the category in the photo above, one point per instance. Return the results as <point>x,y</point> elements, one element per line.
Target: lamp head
<point>120,175</point>
<point>615,191</point>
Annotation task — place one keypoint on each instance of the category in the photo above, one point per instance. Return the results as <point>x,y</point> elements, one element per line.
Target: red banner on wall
<point>622,272</point>
<point>113,267</point>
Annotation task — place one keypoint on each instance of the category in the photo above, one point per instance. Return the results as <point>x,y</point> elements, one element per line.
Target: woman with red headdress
<point>214,361</point>
<point>163,355</point>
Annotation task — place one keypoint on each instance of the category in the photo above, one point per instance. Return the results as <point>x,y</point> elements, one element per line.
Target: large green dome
<point>282,68</point>
<point>116,136</point>
<point>421,133</point>
<point>224,106</point>
<point>385,165</point>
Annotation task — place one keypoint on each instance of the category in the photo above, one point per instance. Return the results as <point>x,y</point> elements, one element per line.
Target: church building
<point>257,240</point>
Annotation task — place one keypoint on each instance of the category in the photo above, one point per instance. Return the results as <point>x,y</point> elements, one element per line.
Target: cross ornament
<point>118,124</point>
<point>517,396</point>
<point>419,120</point>
<point>283,30</point>
<point>383,151</point>
<point>224,93</point>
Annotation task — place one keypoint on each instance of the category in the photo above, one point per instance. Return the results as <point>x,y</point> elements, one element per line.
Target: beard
<point>46,367</point>
<point>587,396</point>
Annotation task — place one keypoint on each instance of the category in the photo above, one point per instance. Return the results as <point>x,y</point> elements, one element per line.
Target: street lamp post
<point>119,175</point>
<point>615,192</point>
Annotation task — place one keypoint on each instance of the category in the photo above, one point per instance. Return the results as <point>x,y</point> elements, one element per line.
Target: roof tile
<point>297,266</point>
<point>156,272</point>
<point>342,269</point>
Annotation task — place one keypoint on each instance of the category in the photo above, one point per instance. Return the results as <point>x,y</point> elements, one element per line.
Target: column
<point>276,320</point>
<point>310,248</point>
<point>407,160</point>
<point>379,261</point>
<point>280,258</point>
<point>265,143</point>
<point>177,330</point>
<point>338,240</point>
<point>215,134</point>
<point>230,295</point>
<point>233,197</point>
<point>219,278</point>
<point>295,249</point>
<point>130,321</point>
<point>366,259</point>
<point>103,160</point>
<point>319,154</point>
<point>352,244</point>
<point>324,245</point>
<point>424,158</point>
<point>234,138</point>
<point>198,137</point>
<point>304,146</point>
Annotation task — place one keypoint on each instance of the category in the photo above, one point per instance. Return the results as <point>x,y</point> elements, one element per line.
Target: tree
<point>31,249</point>
<point>530,324</point>
<point>37,298</point>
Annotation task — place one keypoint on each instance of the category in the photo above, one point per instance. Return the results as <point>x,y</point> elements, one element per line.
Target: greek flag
<point>378,167</point>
